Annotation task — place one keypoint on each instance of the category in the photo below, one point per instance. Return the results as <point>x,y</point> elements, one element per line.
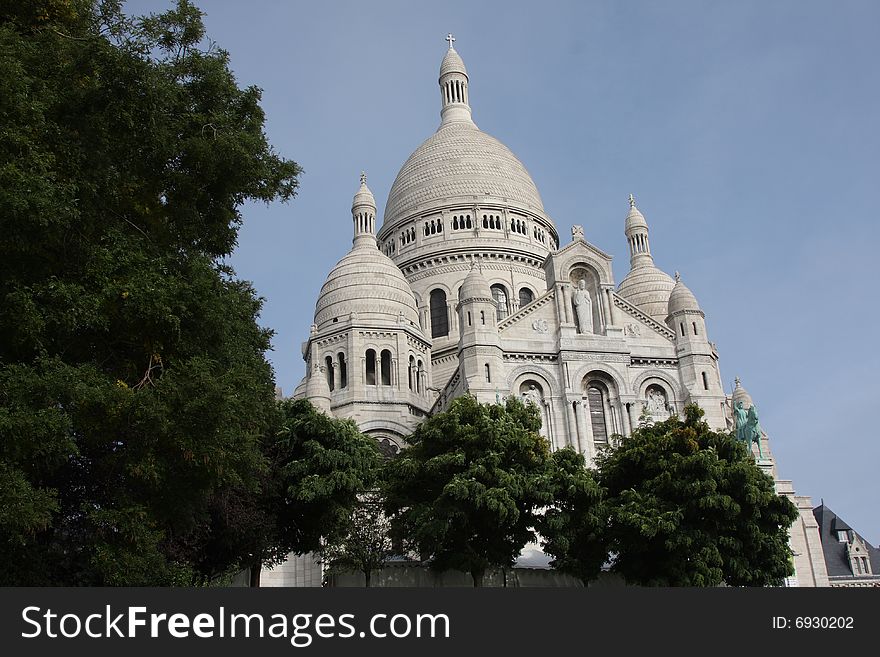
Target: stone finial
<point>313,329</point>
<point>577,233</point>
<point>736,382</point>
<point>363,177</point>
<point>677,277</point>
<point>632,201</point>
<point>450,39</point>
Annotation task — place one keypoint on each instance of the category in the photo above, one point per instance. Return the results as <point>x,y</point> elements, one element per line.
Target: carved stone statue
<point>656,402</point>
<point>532,396</point>
<point>577,233</point>
<point>583,307</point>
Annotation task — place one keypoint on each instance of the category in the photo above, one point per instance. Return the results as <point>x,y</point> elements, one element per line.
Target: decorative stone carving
<point>540,326</point>
<point>583,306</point>
<point>632,330</point>
<point>388,449</point>
<point>577,233</point>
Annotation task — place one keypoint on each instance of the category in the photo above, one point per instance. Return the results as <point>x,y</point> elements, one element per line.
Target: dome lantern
<point>363,215</point>
<point>453,87</point>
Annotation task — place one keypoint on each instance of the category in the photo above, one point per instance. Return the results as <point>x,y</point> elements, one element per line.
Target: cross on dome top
<point>450,39</point>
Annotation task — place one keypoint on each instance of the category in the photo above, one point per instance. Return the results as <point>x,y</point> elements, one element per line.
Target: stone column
<point>581,429</point>
<point>573,439</point>
<point>635,409</point>
<point>611,309</point>
<point>627,424</point>
<point>606,309</point>
<point>566,306</point>
<point>337,378</point>
<point>588,421</point>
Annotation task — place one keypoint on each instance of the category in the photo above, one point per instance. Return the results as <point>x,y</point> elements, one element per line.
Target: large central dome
<point>460,163</point>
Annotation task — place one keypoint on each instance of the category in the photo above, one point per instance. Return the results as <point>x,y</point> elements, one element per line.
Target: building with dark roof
<point>849,559</point>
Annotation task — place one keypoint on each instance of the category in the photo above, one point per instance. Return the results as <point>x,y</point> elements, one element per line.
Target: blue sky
<point>747,131</point>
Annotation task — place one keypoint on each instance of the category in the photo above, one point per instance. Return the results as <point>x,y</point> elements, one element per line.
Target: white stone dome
<point>460,164</point>
<point>740,394</point>
<point>452,63</point>
<point>648,289</point>
<point>475,287</point>
<point>681,298</point>
<point>368,283</point>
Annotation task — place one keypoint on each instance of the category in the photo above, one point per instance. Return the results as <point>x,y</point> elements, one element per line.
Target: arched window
<point>371,368</point>
<point>386,367</point>
<point>482,317</point>
<point>499,294</point>
<point>488,374</point>
<point>525,297</point>
<point>596,397</point>
<point>439,317</point>
<point>412,366</point>
<point>694,324</point>
<point>343,371</point>
<point>419,370</point>
<point>329,372</point>
<point>705,381</point>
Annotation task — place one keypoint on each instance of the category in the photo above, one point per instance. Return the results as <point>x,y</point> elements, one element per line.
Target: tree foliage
<point>318,466</point>
<point>572,527</point>
<point>687,506</point>
<point>467,492</point>
<point>365,545</point>
<point>134,392</point>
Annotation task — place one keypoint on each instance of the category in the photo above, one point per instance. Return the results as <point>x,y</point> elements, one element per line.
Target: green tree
<point>573,526</point>
<point>318,468</point>
<point>133,385</point>
<point>689,507</point>
<point>467,492</point>
<point>366,543</point>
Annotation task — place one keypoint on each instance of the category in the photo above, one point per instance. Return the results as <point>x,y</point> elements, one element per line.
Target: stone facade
<point>467,289</point>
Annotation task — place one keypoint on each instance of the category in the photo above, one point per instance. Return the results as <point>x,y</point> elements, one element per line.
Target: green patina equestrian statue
<point>748,429</point>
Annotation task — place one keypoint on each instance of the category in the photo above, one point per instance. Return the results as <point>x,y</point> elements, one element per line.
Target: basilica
<point>468,288</point>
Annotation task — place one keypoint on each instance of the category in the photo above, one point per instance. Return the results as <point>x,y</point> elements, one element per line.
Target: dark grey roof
<point>836,560</point>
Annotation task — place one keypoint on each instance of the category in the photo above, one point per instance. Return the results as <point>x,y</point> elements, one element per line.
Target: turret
<point>479,346</point>
<point>453,81</point>
<point>363,215</point>
<point>697,360</point>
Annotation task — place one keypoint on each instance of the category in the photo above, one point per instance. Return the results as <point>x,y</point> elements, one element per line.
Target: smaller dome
<point>681,298</point>
<point>648,289</point>
<point>475,287</point>
<point>363,197</point>
<point>740,394</point>
<point>635,219</point>
<point>366,282</point>
<point>452,63</point>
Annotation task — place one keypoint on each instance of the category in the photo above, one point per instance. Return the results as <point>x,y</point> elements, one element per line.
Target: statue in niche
<point>656,402</point>
<point>534,396</point>
<point>583,306</point>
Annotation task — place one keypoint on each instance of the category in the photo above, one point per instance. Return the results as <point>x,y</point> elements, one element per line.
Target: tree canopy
<point>467,492</point>
<point>572,527</point>
<point>133,384</point>
<point>688,506</point>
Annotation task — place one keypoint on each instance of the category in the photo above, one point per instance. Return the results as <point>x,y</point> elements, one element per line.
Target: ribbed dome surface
<point>474,286</point>
<point>648,289</point>
<point>452,63</point>
<point>681,298</point>
<point>456,164</point>
<point>368,283</point>
<point>740,394</point>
